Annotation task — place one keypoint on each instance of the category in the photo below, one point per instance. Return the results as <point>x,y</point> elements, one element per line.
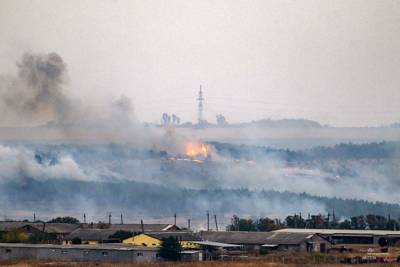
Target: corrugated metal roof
<point>216,244</point>
<point>256,238</point>
<point>57,228</point>
<point>91,234</point>
<point>236,237</point>
<point>339,231</point>
<point>86,247</point>
<point>136,228</point>
<point>180,235</point>
<point>278,238</point>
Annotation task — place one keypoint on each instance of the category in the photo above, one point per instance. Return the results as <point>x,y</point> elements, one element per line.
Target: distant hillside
<point>283,123</point>
<point>134,197</point>
<point>264,123</point>
<point>383,150</point>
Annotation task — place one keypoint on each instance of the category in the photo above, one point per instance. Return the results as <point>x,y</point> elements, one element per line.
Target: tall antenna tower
<point>200,99</point>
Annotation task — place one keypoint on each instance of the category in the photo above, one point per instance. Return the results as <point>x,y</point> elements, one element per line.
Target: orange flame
<point>196,150</point>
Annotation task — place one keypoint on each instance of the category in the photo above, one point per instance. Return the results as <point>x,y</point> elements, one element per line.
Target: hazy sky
<point>337,62</point>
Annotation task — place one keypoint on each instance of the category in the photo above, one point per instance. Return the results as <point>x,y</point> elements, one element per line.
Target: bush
<point>36,238</point>
<point>14,236</point>
<point>170,249</point>
<point>66,219</point>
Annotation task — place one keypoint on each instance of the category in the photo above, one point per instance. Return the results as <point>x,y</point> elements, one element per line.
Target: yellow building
<point>154,239</point>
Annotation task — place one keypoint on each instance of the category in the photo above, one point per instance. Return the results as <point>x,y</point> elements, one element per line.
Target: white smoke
<point>19,163</point>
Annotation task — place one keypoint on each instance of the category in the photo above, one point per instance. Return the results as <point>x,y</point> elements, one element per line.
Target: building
<point>192,255</point>
<point>251,241</point>
<point>97,253</point>
<point>91,236</point>
<point>59,230</point>
<point>97,236</point>
<point>297,242</point>
<point>154,239</point>
<point>350,237</point>
<point>268,241</point>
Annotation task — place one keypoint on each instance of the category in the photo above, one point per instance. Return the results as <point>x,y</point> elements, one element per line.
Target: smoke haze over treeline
<point>119,163</point>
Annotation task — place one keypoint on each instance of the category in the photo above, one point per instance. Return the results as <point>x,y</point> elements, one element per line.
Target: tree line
<point>328,221</point>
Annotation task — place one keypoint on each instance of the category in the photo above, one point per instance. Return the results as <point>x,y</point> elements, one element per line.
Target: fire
<point>196,150</point>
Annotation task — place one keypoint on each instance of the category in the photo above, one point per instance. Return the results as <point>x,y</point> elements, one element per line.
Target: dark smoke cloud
<point>36,93</point>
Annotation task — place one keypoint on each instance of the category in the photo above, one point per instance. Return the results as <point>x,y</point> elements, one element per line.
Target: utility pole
<point>200,99</point>
<point>84,218</point>
<point>141,225</point>
<point>122,219</point>
<point>109,218</point>
<point>34,217</point>
<point>216,223</point>
<point>208,221</point>
<point>175,219</point>
<point>188,224</point>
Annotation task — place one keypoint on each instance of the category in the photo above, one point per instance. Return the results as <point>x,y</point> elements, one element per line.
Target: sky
<point>337,62</point>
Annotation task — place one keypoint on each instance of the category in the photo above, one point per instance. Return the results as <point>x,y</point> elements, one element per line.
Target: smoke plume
<point>36,93</point>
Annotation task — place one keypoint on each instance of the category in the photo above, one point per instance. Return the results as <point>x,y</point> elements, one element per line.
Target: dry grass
<point>249,263</point>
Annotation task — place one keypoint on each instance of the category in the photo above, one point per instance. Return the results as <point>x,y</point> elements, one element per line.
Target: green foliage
<point>370,221</point>
<point>170,249</point>
<point>263,224</point>
<point>14,236</point>
<point>102,225</point>
<point>66,219</point>
<point>121,235</point>
<point>37,238</point>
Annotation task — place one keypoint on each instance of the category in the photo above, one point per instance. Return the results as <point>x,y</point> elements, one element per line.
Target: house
<point>91,236</point>
<point>154,239</point>
<point>93,253</point>
<point>296,242</point>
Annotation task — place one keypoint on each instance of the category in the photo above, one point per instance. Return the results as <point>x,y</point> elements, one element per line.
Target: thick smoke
<point>134,170</point>
<point>36,94</point>
<point>17,164</point>
<point>37,97</point>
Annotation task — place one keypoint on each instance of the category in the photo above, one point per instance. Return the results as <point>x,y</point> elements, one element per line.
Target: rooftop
<point>154,227</point>
<point>338,231</point>
<point>57,228</point>
<point>86,247</point>
<point>180,235</point>
<point>91,234</point>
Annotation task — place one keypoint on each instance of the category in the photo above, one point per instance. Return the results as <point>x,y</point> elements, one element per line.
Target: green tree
<point>238,224</point>
<point>170,249</point>
<point>67,219</point>
<point>37,238</point>
<point>14,236</point>
<point>103,225</point>
<point>267,224</point>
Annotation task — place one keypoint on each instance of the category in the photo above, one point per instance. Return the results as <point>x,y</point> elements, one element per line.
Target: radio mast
<point>200,100</point>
